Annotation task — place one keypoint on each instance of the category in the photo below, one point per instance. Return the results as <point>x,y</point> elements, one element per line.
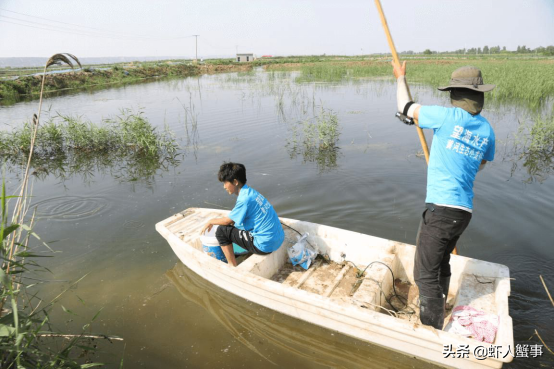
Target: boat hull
<point>250,280</point>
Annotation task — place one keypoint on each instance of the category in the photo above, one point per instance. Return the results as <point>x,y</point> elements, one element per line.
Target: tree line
<point>548,50</point>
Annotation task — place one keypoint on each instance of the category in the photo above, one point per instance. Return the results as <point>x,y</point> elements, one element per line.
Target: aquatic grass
<point>316,140</point>
<point>129,132</point>
<point>526,83</point>
<point>24,323</point>
<point>126,146</point>
<point>534,146</point>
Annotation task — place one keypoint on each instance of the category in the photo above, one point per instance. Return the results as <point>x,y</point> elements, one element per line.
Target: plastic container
<point>210,246</point>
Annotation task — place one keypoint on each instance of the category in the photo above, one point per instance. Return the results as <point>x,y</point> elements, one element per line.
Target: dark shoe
<point>431,311</point>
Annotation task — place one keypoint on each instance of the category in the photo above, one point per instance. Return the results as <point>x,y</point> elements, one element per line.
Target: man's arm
<point>402,95</point>
<point>216,221</point>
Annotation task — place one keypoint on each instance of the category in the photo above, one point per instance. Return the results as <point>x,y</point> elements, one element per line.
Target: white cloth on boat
<point>470,322</point>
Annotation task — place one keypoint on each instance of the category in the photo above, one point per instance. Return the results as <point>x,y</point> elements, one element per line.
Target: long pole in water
<point>397,61</point>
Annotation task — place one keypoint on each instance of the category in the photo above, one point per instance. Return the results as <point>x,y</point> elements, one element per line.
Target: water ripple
<point>71,207</point>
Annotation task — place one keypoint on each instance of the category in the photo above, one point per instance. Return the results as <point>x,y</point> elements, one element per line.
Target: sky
<point>124,28</point>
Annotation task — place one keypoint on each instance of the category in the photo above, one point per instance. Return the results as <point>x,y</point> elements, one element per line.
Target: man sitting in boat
<point>253,224</point>
<point>463,142</point>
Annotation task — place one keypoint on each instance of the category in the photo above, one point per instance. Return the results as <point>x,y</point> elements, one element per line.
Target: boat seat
<point>251,262</point>
<point>264,265</point>
<point>375,284</point>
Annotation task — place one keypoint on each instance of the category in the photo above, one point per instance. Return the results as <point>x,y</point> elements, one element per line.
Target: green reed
<point>526,83</point>
<point>534,146</point>
<point>316,140</point>
<point>129,132</point>
<point>27,339</point>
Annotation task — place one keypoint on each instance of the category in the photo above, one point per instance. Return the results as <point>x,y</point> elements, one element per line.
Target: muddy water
<point>103,225</point>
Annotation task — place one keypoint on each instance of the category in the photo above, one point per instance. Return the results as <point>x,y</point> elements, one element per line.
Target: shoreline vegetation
<point>521,80</point>
<point>27,87</point>
<point>27,335</point>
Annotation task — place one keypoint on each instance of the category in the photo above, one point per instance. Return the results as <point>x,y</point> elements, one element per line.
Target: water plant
<point>526,83</point>
<point>126,146</point>
<point>127,132</point>
<point>316,140</point>
<point>24,317</point>
<point>534,147</point>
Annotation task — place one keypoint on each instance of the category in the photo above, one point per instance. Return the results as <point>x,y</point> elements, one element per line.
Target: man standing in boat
<point>463,142</point>
<point>253,224</point>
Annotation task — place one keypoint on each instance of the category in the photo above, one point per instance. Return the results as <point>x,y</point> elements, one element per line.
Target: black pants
<point>228,234</point>
<point>439,230</point>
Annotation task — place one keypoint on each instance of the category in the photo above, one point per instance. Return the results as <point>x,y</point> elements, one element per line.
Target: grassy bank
<point>28,87</point>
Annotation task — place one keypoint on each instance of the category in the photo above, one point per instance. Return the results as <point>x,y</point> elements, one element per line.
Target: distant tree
<point>485,49</point>
<point>479,50</point>
<point>427,52</point>
<point>549,50</point>
<point>504,48</point>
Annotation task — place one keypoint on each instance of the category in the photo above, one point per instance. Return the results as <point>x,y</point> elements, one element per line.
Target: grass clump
<point>534,144</point>
<point>126,147</point>
<point>316,140</point>
<point>129,132</point>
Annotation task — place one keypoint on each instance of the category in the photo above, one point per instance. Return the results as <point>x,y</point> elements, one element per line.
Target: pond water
<point>102,224</point>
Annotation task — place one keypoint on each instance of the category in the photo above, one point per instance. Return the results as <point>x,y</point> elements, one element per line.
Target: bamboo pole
<point>397,61</point>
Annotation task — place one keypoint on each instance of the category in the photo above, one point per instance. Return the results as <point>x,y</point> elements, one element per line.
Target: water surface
<point>103,224</point>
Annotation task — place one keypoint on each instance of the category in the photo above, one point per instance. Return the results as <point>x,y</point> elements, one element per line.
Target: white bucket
<point>210,245</point>
<point>208,238</point>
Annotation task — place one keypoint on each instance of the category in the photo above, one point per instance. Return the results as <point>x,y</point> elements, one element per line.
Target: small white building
<point>241,58</point>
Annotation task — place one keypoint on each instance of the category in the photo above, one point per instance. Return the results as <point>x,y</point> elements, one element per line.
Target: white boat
<point>332,294</point>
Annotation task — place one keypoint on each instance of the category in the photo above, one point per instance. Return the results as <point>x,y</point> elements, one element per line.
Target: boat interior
<point>370,272</point>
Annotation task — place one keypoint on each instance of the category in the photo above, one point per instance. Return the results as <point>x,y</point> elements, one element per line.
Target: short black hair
<point>228,172</point>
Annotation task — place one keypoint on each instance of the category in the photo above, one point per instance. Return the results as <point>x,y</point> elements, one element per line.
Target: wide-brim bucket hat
<point>468,77</point>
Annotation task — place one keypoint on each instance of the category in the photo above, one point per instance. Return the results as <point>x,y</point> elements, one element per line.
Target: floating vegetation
<point>191,126</point>
<point>127,147</point>
<point>534,146</point>
<point>316,140</point>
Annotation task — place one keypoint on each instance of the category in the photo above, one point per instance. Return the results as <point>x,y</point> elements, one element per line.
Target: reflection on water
<point>249,323</point>
<point>88,166</point>
<point>534,148</point>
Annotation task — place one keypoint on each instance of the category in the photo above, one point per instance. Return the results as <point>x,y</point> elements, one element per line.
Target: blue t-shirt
<point>254,213</point>
<point>460,142</point>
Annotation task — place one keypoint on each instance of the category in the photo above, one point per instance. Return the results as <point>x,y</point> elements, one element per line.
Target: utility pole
<point>196,58</point>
